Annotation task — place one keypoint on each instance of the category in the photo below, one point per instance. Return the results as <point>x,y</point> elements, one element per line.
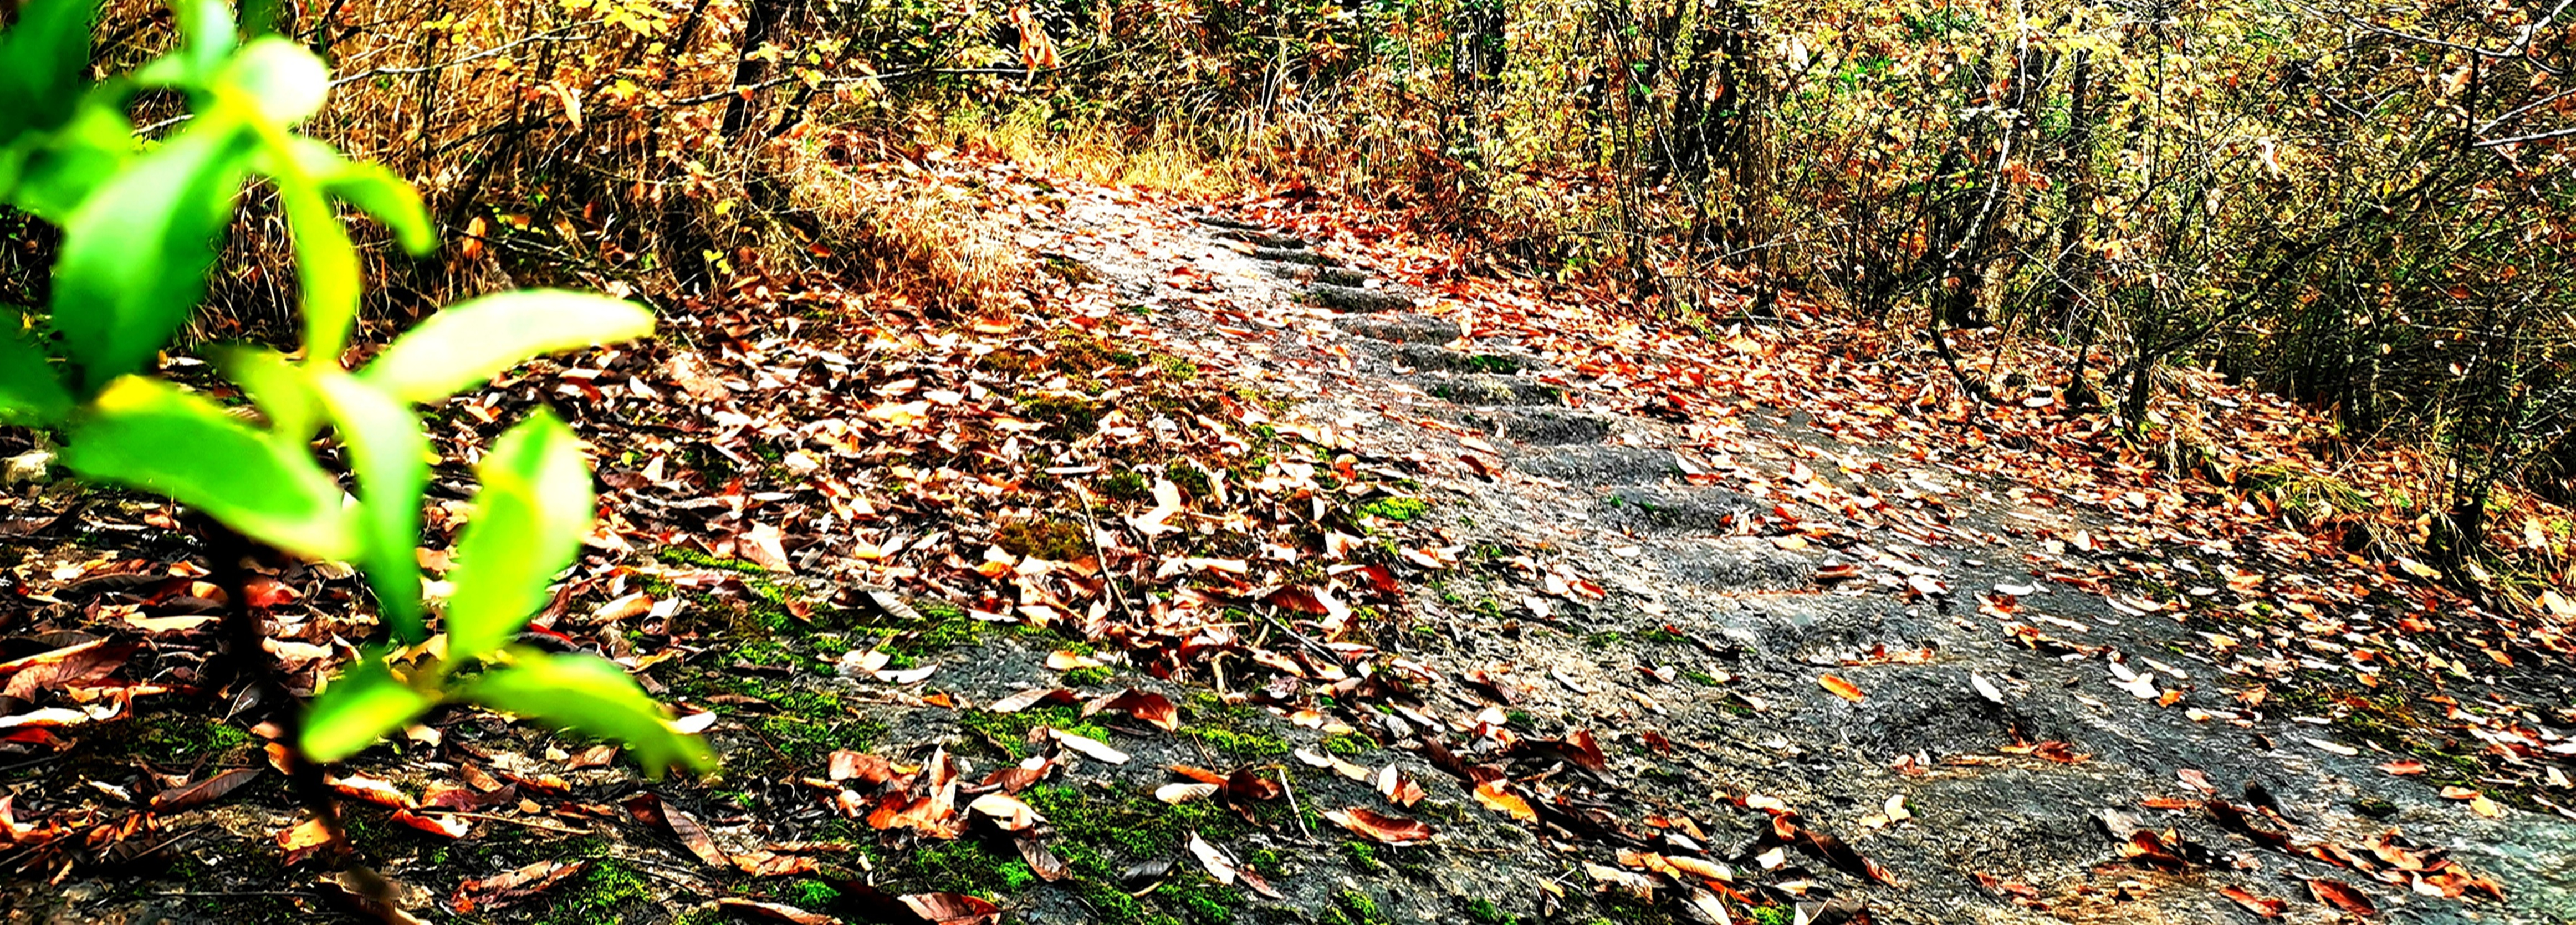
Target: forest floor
<point>1265,567</point>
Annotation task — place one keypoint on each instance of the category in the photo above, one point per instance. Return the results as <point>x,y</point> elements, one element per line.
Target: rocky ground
<point>1430,602</point>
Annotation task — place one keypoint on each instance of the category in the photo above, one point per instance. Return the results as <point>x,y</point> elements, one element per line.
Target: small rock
<point>1282,255</point>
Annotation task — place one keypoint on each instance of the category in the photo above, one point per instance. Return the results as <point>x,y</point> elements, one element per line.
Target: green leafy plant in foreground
<point>140,225</point>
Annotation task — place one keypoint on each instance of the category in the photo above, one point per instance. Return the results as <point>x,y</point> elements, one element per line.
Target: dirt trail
<point>1701,661</point>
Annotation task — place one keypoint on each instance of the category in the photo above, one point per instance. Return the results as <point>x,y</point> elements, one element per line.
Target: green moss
<point>1343,743</point>
<point>180,738</point>
<point>1482,912</point>
<point>608,892</point>
<point>1009,732</point>
<point>1769,915</point>
<point>1663,635</point>
<point>1395,509</point>
<point>1240,743</point>
<point>1188,478</point>
<point>1703,679</point>
<point>1352,907</point>
<point>1363,856</point>
<point>1087,677</point>
<point>1128,485</point>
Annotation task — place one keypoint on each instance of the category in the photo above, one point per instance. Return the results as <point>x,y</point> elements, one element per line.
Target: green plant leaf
<point>135,254</point>
<point>590,695</point>
<point>472,341</point>
<point>148,434</point>
<point>280,389</point>
<point>388,452</point>
<point>372,188</point>
<point>207,39</point>
<point>285,81</point>
<point>42,60</point>
<point>326,265</point>
<point>30,392</point>
<point>78,158</point>
<point>528,522</point>
<point>360,707</point>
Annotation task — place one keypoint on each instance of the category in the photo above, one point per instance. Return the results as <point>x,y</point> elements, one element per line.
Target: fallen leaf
<point>204,791</point>
<point>1496,795</point>
<point>776,912</point>
<point>1217,864</point>
<point>1089,747</point>
<point>946,908</point>
<point>2267,907</point>
<point>2342,896</point>
<point>1393,830</point>
<point>1155,709</point>
<point>511,888</point>
<point>1840,688</point>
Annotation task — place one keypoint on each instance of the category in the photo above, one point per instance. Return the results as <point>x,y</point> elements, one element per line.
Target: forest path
<point>1611,579</point>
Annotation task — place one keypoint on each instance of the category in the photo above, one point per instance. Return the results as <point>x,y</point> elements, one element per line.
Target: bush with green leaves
<point>141,222</point>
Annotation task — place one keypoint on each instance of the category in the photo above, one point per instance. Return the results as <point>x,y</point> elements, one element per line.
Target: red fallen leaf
<point>2342,896</point>
<point>267,593</point>
<point>1298,599</point>
<point>512,888</point>
<point>946,908</point>
<point>1249,786</point>
<point>449,827</point>
<point>1382,580</point>
<point>2265,906</point>
<point>775,912</point>
<point>1152,708</point>
<point>2403,768</point>
<point>204,791</point>
<point>1840,688</point>
<point>1201,775</point>
<point>1393,830</point>
<point>1258,885</point>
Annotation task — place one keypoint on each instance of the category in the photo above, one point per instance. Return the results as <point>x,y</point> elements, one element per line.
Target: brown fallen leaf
<point>2265,906</point>
<point>1217,864</point>
<point>372,790</point>
<point>952,908</point>
<point>2405,768</point>
<point>651,810</point>
<point>1091,748</point>
<point>498,892</point>
<point>867,768</point>
<point>1149,707</point>
<point>1840,688</point>
<point>1393,830</point>
<point>775,912</point>
<point>204,791</point>
<point>1006,812</point>
<point>2342,896</point>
